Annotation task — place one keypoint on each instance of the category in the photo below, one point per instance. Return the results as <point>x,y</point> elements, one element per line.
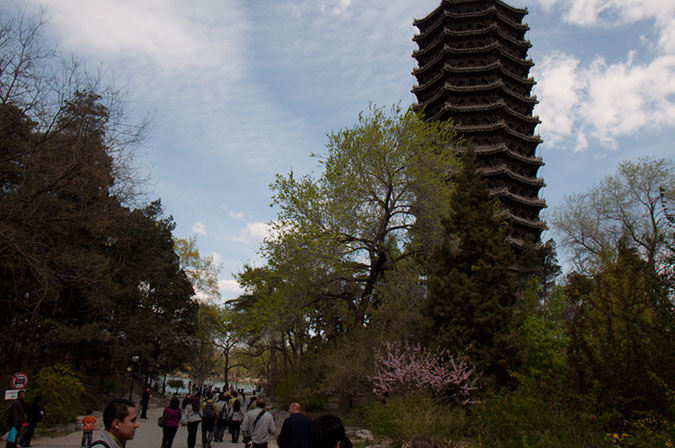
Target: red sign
<point>19,380</point>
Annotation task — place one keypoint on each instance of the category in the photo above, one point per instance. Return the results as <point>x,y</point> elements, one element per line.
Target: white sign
<point>12,394</point>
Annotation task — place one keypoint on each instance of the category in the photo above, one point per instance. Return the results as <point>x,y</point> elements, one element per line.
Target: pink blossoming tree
<point>403,368</point>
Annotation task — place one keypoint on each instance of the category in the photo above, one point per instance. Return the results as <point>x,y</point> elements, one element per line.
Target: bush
<point>110,386</point>
<point>175,384</point>
<point>524,418</point>
<point>61,392</point>
<point>403,417</point>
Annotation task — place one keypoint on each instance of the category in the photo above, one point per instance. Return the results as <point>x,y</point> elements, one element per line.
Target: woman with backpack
<point>192,415</point>
<point>172,416</point>
<point>236,415</point>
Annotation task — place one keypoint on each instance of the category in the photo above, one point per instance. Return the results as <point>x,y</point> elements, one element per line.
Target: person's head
<point>119,418</point>
<point>174,403</point>
<point>21,395</point>
<point>294,408</point>
<point>236,405</point>
<point>326,431</point>
<point>196,405</point>
<point>37,400</point>
<point>421,441</point>
<point>90,411</point>
<point>209,395</point>
<point>260,402</point>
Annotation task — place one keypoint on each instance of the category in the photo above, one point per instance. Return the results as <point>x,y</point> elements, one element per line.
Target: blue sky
<point>243,89</point>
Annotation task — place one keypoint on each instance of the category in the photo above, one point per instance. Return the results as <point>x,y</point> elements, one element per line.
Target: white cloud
<point>615,12</point>
<point>160,30</point>
<point>336,7</point>
<point>236,215</point>
<point>227,287</point>
<point>253,232</point>
<point>217,258</point>
<point>558,88</point>
<point>605,101</point>
<point>199,228</point>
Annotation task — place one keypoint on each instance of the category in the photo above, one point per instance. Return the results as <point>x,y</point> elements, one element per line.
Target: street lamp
<point>134,360</point>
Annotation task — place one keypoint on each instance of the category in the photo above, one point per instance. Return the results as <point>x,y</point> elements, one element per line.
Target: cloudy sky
<point>243,89</point>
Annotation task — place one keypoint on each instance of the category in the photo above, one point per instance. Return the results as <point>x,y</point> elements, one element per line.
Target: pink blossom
<point>404,368</point>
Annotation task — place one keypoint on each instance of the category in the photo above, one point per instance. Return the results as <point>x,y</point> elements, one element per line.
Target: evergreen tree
<point>472,287</point>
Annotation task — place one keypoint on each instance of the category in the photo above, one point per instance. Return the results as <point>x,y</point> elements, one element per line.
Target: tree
<point>351,225</point>
<point>201,271</point>
<point>626,204</point>
<point>621,333</point>
<point>472,301</point>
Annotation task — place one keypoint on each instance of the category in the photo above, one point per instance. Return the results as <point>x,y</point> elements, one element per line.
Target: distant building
<point>473,68</point>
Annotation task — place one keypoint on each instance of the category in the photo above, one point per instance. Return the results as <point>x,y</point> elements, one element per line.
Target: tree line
<point>89,273</point>
<point>396,242</point>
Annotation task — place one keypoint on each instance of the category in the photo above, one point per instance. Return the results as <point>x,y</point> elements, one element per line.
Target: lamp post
<point>134,360</point>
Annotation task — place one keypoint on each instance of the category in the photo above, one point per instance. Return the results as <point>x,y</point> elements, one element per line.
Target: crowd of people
<point>217,412</point>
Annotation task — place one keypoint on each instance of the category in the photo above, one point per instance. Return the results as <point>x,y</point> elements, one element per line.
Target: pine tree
<point>472,303</point>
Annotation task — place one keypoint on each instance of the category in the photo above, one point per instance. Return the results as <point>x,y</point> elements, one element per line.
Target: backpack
<point>99,442</point>
<point>209,412</point>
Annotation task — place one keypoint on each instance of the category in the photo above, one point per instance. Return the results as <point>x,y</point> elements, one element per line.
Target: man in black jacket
<point>295,430</point>
<point>15,416</point>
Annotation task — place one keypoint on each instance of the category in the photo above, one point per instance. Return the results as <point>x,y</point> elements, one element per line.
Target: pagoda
<point>473,69</point>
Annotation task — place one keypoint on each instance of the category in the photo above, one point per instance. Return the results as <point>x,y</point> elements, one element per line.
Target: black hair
<point>326,431</point>
<point>118,409</point>
<point>174,403</point>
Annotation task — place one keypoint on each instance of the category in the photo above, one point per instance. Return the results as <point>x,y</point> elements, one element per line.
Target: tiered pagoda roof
<point>473,69</point>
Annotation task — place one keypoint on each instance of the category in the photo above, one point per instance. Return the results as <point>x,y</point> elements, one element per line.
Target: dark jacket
<point>34,414</point>
<point>16,411</point>
<point>295,432</point>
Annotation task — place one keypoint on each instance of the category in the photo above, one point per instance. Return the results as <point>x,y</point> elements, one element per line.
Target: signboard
<point>19,380</point>
<point>12,394</point>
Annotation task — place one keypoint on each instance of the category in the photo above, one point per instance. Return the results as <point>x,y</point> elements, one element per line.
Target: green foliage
<point>61,392</point>
<point>621,334</point>
<point>344,238</point>
<point>175,383</point>
<point>544,329</point>
<point>402,417</point>
<point>110,386</point>
<point>472,289</point>
<point>527,419</point>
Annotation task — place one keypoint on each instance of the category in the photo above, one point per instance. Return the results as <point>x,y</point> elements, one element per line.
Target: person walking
<point>192,415</point>
<point>145,402</point>
<point>221,423</point>
<point>120,421</point>
<point>295,429</point>
<point>33,416</point>
<point>15,417</point>
<point>209,417</point>
<point>235,415</point>
<point>172,417</point>
<point>258,424</point>
<point>87,428</point>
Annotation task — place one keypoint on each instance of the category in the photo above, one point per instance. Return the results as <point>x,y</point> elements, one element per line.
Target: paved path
<point>148,435</point>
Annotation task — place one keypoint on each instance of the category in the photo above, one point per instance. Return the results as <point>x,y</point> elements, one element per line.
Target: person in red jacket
<point>87,428</point>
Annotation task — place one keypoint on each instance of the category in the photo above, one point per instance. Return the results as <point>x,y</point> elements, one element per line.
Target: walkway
<point>148,435</point>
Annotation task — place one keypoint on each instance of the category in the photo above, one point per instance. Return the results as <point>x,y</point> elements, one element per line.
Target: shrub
<point>110,386</point>
<point>176,384</point>
<point>405,416</point>
<point>524,418</point>
<point>402,368</point>
<point>61,392</point>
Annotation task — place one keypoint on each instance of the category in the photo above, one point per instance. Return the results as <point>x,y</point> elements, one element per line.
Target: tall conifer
<point>472,301</point>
